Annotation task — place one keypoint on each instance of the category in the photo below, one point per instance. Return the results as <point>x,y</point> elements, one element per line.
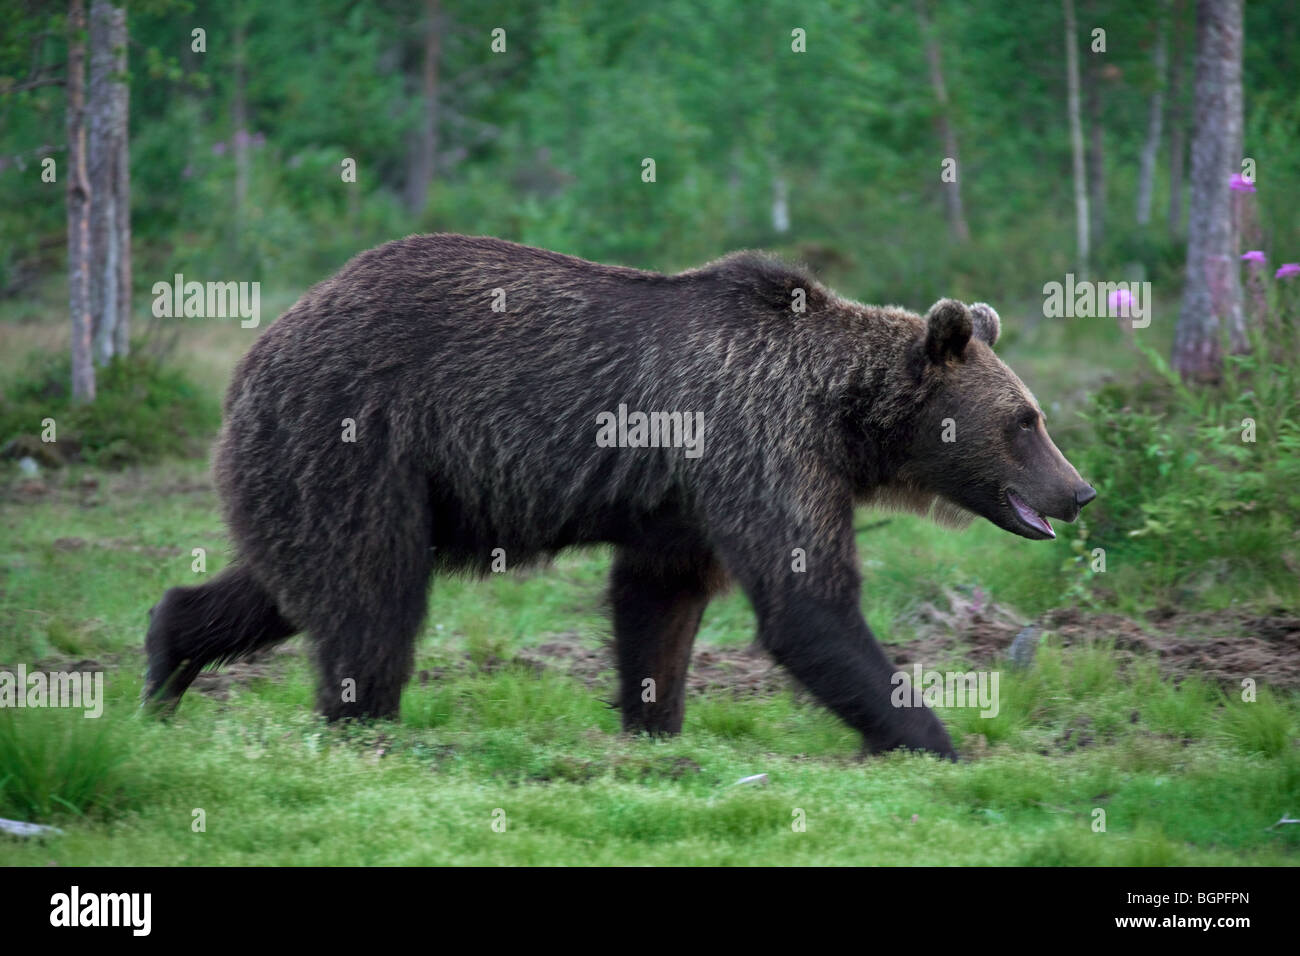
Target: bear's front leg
<point>827,645</point>
<point>658,597</point>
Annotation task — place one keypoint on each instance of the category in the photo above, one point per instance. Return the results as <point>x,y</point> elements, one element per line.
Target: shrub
<point>1190,479</point>
<point>143,411</point>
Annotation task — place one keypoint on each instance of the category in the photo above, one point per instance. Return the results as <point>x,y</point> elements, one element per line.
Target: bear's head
<point>980,444</point>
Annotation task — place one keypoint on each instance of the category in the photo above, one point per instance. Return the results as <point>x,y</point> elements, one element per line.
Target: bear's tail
<point>190,628</point>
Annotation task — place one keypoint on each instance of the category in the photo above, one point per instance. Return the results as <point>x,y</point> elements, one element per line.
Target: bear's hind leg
<point>361,565</point>
<point>229,617</point>
<point>657,603</point>
<point>366,657</point>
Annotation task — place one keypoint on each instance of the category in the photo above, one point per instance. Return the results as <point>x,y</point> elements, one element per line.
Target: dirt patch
<point>1077,735</point>
<point>24,489</point>
<point>746,670</point>
<point>958,627</point>
<point>266,664</point>
<point>743,671</point>
<point>217,684</point>
<point>569,653</point>
<point>117,544</point>
<point>91,491</point>
<point>1219,646</point>
<point>66,665</point>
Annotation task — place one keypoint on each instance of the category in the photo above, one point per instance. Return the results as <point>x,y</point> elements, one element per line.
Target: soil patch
<point>1219,646</point>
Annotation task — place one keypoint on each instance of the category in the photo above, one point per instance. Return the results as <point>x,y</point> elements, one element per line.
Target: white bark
<point>105,147</point>
<point>1212,293</point>
<point>951,191</point>
<point>83,368</point>
<point>1076,137</point>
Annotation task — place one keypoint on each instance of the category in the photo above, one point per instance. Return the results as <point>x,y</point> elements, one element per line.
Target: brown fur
<point>476,431</point>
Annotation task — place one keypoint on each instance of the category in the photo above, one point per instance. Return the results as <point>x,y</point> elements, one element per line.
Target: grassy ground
<point>1181,773</point>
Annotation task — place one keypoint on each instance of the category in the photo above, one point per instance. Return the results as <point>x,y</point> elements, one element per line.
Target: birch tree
<point>1212,292</point>
<point>943,119</point>
<point>1076,137</point>
<point>107,158</point>
<point>83,369</point>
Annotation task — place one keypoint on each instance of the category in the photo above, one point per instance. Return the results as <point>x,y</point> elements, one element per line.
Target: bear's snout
<point>1083,493</point>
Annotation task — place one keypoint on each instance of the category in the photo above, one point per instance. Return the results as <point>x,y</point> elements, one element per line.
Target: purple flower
<point>1241,184</point>
<point>1119,301</point>
<point>1288,269</point>
<point>218,149</point>
<point>1253,256</point>
<point>259,140</point>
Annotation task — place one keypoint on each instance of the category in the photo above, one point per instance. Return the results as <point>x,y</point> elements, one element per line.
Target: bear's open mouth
<point>1028,516</point>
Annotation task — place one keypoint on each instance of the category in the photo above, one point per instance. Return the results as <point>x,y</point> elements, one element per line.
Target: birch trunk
<point>105,155</point>
<point>947,132</point>
<point>1212,293</point>
<point>83,368</point>
<point>1076,138</point>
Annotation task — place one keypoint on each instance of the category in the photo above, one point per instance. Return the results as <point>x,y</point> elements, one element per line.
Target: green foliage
<point>1197,483</point>
<point>1079,568</point>
<point>1263,726</point>
<point>143,410</point>
<point>543,143</point>
<point>62,764</point>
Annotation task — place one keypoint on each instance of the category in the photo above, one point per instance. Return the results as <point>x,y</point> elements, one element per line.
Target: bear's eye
<point>1028,420</point>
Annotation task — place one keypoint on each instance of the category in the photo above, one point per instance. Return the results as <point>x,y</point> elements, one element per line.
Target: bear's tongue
<point>1029,515</point>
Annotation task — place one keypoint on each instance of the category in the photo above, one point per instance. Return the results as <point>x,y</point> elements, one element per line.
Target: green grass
<point>277,787</point>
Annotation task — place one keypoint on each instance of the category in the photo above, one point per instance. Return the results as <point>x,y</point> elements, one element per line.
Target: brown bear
<point>446,401</point>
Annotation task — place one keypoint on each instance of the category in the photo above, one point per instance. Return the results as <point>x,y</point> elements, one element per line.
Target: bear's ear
<point>986,322</point>
<point>949,328</point>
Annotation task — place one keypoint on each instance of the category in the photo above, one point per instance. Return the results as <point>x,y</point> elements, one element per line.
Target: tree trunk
<point>947,132</point>
<point>1095,153</point>
<point>83,368</point>
<point>105,153</point>
<point>1212,293</point>
<point>1177,123</point>
<point>1234,311</point>
<point>122,189</point>
<point>1155,119</point>
<point>420,172</point>
<point>1076,137</point>
<point>239,115</point>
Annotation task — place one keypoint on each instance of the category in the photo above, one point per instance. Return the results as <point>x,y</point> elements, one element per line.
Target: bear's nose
<point>1084,495</point>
